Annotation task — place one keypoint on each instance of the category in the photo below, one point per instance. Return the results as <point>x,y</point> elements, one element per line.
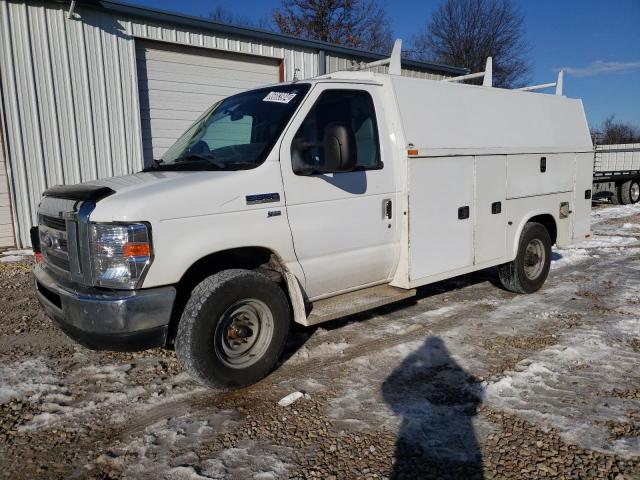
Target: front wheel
<point>233,329</point>
<point>529,270</point>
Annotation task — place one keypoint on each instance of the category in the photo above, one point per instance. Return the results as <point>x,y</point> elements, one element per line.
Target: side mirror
<point>339,148</point>
<point>338,151</point>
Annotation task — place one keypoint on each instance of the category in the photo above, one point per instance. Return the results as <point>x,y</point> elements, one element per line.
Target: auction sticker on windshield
<point>279,97</point>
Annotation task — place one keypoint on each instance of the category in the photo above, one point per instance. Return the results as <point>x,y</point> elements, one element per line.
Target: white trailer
<point>308,201</point>
<point>616,173</point>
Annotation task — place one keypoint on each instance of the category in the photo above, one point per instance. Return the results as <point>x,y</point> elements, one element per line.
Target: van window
<point>350,107</point>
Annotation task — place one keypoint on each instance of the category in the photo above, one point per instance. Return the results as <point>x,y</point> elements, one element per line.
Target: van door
<point>491,192</point>
<point>343,224</point>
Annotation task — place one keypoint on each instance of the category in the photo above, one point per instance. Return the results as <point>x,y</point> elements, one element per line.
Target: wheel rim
<point>534,259</point>
<point>634,192</point>
<point>243,333</point>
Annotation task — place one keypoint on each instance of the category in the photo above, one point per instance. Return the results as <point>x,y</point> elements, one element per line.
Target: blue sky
<point>596,41</point>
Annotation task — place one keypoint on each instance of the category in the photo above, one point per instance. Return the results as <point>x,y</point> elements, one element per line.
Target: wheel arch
<point>255,258</point>
<point>545,219</point>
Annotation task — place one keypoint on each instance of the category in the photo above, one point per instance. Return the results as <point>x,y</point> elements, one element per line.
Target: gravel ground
<point>466,381</point>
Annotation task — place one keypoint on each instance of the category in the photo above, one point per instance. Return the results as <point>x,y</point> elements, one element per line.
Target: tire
<point>615,198</point>
<point>630,192</point>
<point>520,275</point>
<point>233,329</point>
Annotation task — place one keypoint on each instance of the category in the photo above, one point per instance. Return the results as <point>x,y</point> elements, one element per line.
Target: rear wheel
<point>630,192</point>
<point>528,272</point>
<point>233,329</point>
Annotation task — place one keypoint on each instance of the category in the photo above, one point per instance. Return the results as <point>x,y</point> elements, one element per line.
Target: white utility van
<point>308,201</point>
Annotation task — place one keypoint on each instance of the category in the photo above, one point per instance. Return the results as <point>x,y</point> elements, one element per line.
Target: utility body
<point>308,201</point>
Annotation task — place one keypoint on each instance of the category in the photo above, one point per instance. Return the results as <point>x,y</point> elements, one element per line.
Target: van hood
<point>164,195</point>
<point>136,180</point>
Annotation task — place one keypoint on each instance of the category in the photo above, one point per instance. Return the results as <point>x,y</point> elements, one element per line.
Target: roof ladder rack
<point>487,75</point>
<point>542,86</point>
<point>394,61</point>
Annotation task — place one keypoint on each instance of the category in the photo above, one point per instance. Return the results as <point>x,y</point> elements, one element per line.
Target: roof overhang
<point>165,16</point>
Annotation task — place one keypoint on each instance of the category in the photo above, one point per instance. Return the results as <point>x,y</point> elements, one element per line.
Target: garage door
<point>177,83</point>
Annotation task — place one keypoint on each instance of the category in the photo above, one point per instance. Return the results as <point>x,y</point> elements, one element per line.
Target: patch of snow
<point>31,377</point>
<point>323,350</point>
<point>609,213</point>
<point>562,257</point>
<point>152,454</point>
<point>10,256</point>
<point>584,250</point>
<point>547,389</point>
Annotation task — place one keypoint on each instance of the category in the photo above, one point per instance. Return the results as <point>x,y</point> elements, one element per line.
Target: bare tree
<point>613,132</point>
<point>354,23</point>
<point>464,33</point>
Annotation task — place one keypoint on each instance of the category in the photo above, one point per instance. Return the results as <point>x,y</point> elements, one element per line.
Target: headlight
<point>121,254</point>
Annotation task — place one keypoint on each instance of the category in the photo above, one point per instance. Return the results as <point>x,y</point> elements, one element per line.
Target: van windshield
<point>236,133</point>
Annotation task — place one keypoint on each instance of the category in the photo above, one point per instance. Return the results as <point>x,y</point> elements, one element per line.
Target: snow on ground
<point>609,213</point>
<point>84,391</point>
<point>324,350</point>
<point>420,370</point>
<point>31,377</point>
<point>150,455</point>
<point>9,256</point>
<point>569,384</point>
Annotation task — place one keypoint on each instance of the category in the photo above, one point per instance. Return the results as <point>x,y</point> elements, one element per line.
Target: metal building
<point>99,88</point>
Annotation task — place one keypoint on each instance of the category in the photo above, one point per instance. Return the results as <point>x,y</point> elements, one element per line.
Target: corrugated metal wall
<point>70,93</point>
<point>6,226</point>
<point>336,63</point>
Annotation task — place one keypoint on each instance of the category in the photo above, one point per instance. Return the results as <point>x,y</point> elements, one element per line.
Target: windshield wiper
<point>199,158</point>
<point>154,166</point>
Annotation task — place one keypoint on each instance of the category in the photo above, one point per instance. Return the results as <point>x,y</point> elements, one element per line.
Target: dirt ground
<point>466,381</point>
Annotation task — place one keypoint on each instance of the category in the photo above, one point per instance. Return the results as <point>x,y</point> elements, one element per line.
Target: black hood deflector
<point>83,192</point>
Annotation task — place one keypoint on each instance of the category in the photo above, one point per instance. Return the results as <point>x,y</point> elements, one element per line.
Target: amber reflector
<point>136,250</point>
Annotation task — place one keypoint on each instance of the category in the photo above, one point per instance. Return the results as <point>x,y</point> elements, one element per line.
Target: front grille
<point>62,227</point>
<point>53,222</point>
<point>58,262</point>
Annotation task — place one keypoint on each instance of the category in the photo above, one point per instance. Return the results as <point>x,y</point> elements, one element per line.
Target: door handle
<point>387,208</point>
<point>463,212</point>
<point>496,207</point>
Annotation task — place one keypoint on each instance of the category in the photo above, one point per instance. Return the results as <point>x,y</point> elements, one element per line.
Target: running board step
<point>356,302</point>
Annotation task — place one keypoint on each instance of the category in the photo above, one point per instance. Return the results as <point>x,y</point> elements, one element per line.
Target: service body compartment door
<point>440,211</point>
<point>491,188</point>
<point>539,174</point>
<point>583,191</point>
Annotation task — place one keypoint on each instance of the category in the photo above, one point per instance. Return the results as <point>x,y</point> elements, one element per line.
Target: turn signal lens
<point>121,254</point>
<point>136,250</point>
<point>412,151</point>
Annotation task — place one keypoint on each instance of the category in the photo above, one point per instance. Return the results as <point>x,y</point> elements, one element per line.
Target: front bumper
<point>107,319</point>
